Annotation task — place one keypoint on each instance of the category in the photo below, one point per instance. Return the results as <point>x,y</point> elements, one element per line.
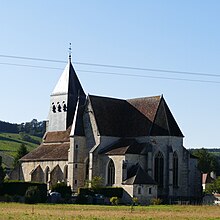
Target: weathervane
<point>70,52</point>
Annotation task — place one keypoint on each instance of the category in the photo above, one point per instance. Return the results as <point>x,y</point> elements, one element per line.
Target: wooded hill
<point>34,127</point>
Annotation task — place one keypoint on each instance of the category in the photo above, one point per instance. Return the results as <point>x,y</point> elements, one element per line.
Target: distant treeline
<point>33,128</point>
<point>211,150</point>
<point>8,127</point>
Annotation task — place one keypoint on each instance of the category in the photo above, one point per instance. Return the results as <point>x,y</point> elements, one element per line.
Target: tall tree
<point>22,151</point>
<point>206,161</point>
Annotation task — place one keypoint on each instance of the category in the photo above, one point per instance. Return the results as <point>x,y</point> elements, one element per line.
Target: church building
<point>135,144</point>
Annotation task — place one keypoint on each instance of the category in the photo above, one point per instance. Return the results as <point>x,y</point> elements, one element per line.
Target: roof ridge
<point>105,97</point>
<point>144,97</point>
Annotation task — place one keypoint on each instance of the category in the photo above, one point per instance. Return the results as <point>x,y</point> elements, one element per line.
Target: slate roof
<point>54,147</point>
<point>136,175</point>
<point>124,146</point>
<point>68,82</point>
<point>79,126</point>
<point>148,116</point>
<point>70,85</point>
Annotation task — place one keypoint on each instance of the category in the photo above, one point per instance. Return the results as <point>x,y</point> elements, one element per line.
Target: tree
<point>2,172</point>
<point>206,161</point>
<point>213,187</point>
<point>22,151</point>
<point>95,183</point>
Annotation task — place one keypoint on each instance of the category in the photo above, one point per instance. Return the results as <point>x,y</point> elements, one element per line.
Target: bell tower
<point>63,99</point>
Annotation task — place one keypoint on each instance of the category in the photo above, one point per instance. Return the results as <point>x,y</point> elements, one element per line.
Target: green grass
<point>9,144</point>
<point>87,212</point>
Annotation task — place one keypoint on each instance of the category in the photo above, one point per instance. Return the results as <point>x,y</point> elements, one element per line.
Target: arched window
<point>87,169</point>
<point>53,108</point>
<point>47,170</point>
<point>59,108</point>
<point>175,169</point>
<point>159,168</point>
<point>111,173</point>
<point>65,173</point>
<point>37,175</point>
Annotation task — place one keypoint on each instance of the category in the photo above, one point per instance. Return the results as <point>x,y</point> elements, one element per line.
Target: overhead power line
<point>114,73</point>
<point>116,66</point>
<point>32,58</point>
<point>31,66</point>
<point>152,77</point>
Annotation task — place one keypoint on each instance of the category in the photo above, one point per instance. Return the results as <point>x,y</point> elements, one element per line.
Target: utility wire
<point>114,73</point>
<point>31,66</point>
<point>153,77</point>
<point>31,58</point>
<point>116,66</point>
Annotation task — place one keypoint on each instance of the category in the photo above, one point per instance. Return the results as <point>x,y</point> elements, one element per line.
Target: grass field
<point>9,144</point>
<point>61,212</point>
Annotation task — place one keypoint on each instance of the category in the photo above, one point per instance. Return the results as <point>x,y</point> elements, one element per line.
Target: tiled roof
<point>164,122</point>
<point>147,105</point>
<point>148,116</point>
<point>55,146</point>
<point>124,146</point>
<point>48,152</point>
<point>57,136</point>
<point>136,175</point>
<point>116,117</point>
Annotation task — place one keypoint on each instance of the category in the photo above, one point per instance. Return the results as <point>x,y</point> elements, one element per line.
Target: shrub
<point>135,200</point>
<point>156,201</point>
<point>63,189</point>
<point>105,191</point>
<point>114,200</point>
<point>96,182</point>
<point>82,199</point>
<point>32,195</point>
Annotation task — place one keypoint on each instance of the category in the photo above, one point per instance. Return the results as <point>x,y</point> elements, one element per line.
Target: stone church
<point>135,144</point>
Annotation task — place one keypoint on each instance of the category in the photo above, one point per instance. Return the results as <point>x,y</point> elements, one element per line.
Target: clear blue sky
<point>173,35</point>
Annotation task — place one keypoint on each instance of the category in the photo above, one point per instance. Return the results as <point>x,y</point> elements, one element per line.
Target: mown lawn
<point>95,212</point>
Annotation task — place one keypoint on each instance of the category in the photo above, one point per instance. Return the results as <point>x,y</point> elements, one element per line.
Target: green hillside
<point>9,144</point>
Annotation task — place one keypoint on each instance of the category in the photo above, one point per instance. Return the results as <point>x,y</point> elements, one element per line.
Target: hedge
<point>63,189</point>
<point>20,188</point>
<point>105,191</point>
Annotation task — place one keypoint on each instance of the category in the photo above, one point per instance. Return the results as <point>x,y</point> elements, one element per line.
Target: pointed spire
<point>68,91</point>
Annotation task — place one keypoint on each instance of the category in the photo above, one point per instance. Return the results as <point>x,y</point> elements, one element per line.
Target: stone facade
<point>134,144</point>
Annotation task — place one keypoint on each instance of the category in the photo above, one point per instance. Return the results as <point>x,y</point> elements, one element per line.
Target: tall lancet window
<point>175,169</point>
<point>159,168</point>
<point>111,173</point>
<point>47,171</point>
<point>65,173</point>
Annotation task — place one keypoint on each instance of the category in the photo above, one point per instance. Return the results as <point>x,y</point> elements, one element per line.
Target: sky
<point>178,36</point>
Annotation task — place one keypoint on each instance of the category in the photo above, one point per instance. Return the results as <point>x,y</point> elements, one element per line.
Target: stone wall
<point>77,162</point>
<point>28,168</point>
<point>57,119</point>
